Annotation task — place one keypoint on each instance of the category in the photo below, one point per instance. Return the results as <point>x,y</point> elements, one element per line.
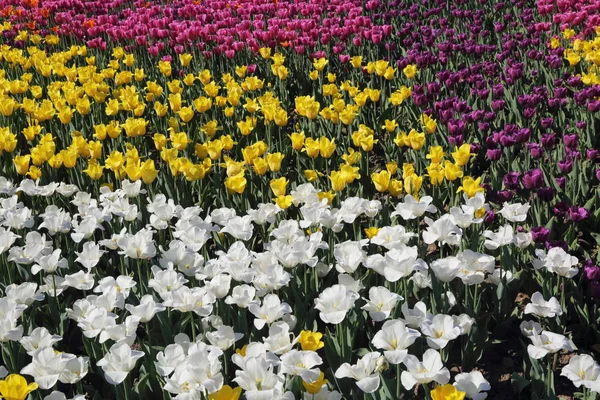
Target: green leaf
<point>518,382</point>
<point>140,386</point>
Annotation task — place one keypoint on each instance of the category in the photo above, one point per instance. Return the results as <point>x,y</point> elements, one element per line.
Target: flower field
<point>318,200</point>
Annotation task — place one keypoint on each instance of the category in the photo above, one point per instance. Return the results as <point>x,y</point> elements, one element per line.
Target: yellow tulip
<point>392,167</point>
<point>115,161</point>
<point>31,132</point>
<point>326,195</point>
<point>310,341</point>
<point>447,392</point>
<point>94,149</point>
<point>165,68</point>
<point>265,52</point>
<point>34,173</point>
<point>260,166</point>
<point>462,155</point>
<point>186,114</point>
<point>349,173</point>
<point>94,170</point>
<point>428,123</point>
<point>274,161</point>
<point>371,232</point>
<point>226,393</point>
<point>316,386</point>
<point>353,157</point>
<point>412,185</point>
<point>214,148</point>
<point>395,187</point>
<point>356,61</point>
<point>227,142</point>
<point>179,140</point>
<point>148,172</point>
<point>338,183</point>
<point>320,63</point>
<point>236,183</point>
<point>410,71</point>
<point>389,73</point>
<point>381,180</point>
<point>22,164</point>
<point>390,126</point>
<point>210,128</point>
<point>311,175</point>
<point>278,186</point>
<point>15,387</point>
<point>160,141</point>
<point>416,139</point>
<point>326,147</point>
<point>297,140</point>
<point>135,127</point>
<point>185,59</point>
<point>471,186</point>
<point>452,171</point>
<point>311,147</point>
<point>436,174</point>
<point>284,201</point>
<point>241,71</point>
<point>436,154</point>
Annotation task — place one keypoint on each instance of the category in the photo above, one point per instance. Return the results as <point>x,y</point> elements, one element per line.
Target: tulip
<point>533,179</point>
<point>381,180</point>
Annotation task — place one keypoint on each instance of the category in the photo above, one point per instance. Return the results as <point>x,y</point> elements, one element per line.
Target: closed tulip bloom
<point>297,139</point>
<point>338,182</point>
<point>22,164</point>
<point>274,161</point>
<point>278,186</point>
<point>381,180</point>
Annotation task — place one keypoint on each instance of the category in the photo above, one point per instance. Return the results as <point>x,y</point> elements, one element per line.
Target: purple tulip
<point>540,234</point>
<point>490,217</point>
<point>565,166</point>
<point>495,154</point>
<point>557,243</point>
<point>560,209</point>
<point>592,272</point>
<point>504,196</point>
<point>546,122</point>
<point>511,180</point>
<point>593,106</point>
<point>545,194</point>
<point>577,214</point>
<point>571,141</point>
<point>595,289</point>
<point>533,179</point>
<point>548,140</point>
<point>535,150</point>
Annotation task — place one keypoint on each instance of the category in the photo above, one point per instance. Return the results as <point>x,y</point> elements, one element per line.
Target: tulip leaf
<point>518,382</point>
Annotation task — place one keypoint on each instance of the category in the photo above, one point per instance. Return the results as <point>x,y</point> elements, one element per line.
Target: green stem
<point>193,324</point>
